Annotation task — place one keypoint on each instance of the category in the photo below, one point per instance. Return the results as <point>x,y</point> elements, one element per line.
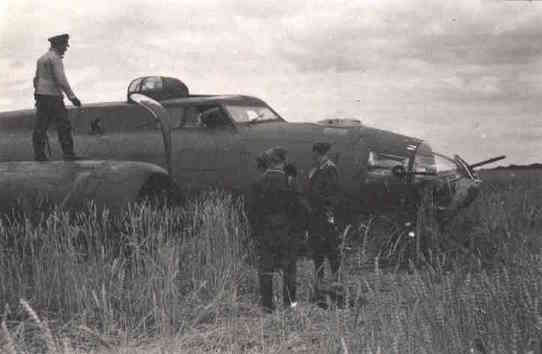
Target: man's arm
<point>62,81</point>
<point>35,82</point>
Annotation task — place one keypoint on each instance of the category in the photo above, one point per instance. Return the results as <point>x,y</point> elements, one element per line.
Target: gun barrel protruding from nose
<point>488,161</point>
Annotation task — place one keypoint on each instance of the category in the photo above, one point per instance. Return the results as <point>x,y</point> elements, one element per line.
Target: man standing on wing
<point>324,240</point>
<point>50,83</point>
<point>270,209</point>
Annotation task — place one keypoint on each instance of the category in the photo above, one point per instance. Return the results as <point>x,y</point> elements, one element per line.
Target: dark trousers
<point>274,251</point>
<point>324,242</point>
<point>51,109</point>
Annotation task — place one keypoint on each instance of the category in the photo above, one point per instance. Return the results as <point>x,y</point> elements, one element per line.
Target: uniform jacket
<point>323,186</point>
<point>50,78</point>
<point>271,201</point>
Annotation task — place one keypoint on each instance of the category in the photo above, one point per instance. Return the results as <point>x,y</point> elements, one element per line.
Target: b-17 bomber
<point>165,140</point>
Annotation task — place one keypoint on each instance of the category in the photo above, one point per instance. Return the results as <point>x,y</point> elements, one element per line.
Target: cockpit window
<point>251,113</point>
<point>214,118</point>
<point>204,116</point>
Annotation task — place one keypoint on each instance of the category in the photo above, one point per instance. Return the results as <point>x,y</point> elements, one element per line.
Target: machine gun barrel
<point>485,162</point>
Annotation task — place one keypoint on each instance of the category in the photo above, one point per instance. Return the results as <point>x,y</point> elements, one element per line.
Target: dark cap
<point>276,154</point>
<point>261,161</point>
<point>321,148</point>
<point>59,39</point>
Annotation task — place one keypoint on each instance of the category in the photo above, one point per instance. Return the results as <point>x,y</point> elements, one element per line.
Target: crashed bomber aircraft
<point>164,137</point>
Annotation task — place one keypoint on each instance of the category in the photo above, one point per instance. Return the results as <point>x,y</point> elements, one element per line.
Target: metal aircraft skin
<point>200,141</point>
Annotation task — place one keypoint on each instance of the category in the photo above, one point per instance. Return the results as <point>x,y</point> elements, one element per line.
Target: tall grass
<point>183,280</point>
<point>148,271</point>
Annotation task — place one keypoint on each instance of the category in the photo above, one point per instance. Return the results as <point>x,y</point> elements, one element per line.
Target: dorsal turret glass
<point>158,87</point>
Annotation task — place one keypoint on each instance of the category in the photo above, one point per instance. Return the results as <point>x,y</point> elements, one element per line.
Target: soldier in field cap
<point>50,83</point>
<point>322,194</point>
<point>269,208</point>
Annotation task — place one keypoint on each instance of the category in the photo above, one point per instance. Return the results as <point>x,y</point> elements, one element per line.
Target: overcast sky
<point>465,75</point>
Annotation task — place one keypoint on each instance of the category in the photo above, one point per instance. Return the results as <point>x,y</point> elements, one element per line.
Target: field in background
<point>183,280</point>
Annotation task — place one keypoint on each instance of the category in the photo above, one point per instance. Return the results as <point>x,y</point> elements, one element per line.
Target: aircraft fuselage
<point>222,152</point>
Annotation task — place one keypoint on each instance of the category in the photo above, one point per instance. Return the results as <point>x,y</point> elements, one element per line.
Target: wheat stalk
<point>9,346</point>
<point>49,341</point>
<point>345,348</point>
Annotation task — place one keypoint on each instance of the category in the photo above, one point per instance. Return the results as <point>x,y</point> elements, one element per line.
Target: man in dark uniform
<point>301,211</point>
<point>50,83</point>
<point>322,194</point>
<point>270,206</point>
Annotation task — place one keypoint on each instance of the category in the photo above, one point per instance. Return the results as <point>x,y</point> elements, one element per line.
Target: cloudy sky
<point>465,75</point>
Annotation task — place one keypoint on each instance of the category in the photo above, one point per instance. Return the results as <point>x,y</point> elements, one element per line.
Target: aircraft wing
<point>29,185</point>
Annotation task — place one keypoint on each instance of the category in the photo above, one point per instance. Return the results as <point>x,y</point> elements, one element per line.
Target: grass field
<point>182,280</point>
